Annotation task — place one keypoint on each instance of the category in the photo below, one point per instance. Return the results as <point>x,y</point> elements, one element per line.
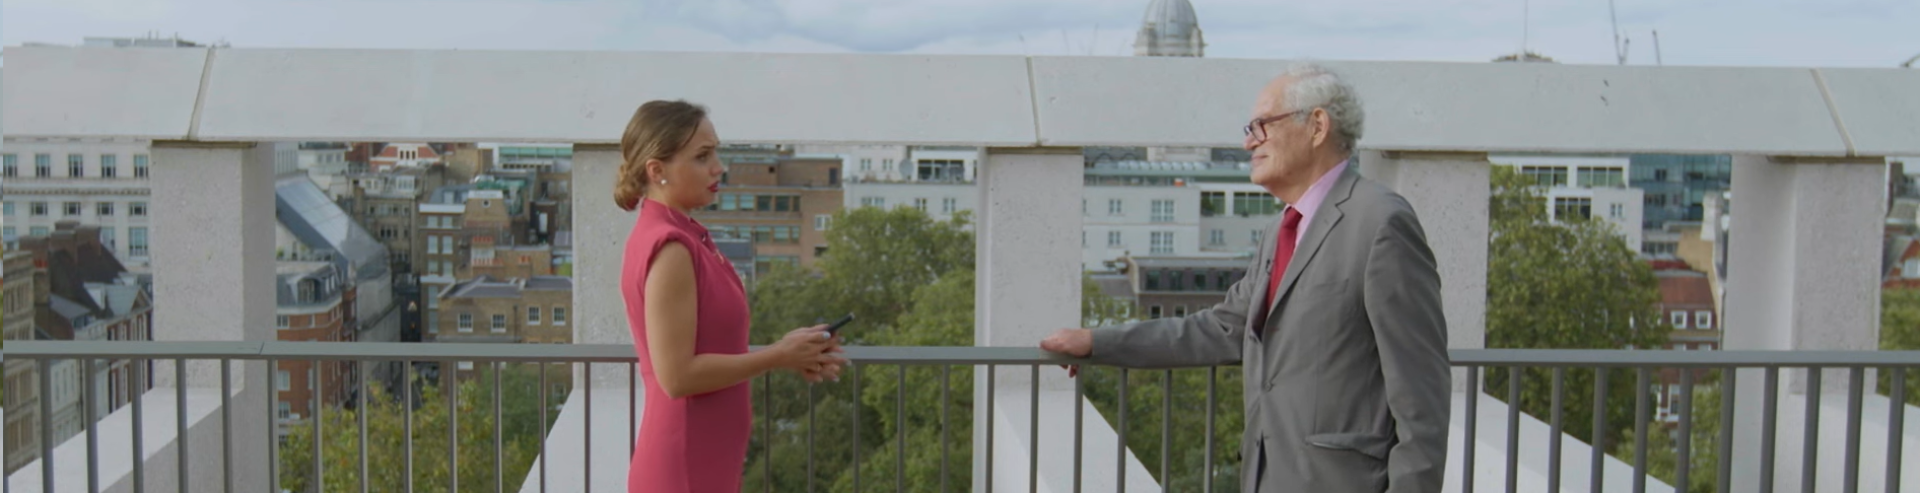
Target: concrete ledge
<point>586,97</point>
<point>1830,455</point>
<point>1490,455</point>
<point>143,94</point>
<point>114,434</point>
<point>568,460</point>
<point>1099,468</point>
<point>1462,106</point>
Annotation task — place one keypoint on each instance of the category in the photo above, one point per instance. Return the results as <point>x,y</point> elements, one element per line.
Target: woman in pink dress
<point>688,312</point>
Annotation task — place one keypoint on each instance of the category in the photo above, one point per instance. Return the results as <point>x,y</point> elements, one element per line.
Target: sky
<point>1823,33</point>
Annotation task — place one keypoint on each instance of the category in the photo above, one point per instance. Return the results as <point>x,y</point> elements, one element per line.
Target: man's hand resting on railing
<point>1077,343</point>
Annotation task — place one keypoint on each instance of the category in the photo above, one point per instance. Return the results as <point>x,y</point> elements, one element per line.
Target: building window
<point>466,322</point>
<point>37,208</point>
<point>1162,243</point>
<point>139,165</point>
<point>1217,237</point>
<point>42,165</point>
<point>866,164</point>
<point>284,409</point>
<point>9,208</point>
<point>1114,208</point>
<point>137,209</point>
<point>106,237</point>
<point>920,203</point>
<point>71,208</point>
<point>1679,319</point>
<point>281,321</point>
<point>109,166</point>
<point>1703,320</point>
<point>137,242</point>
<point>37,231</point>
<point>499,323</point>
<point>1617,211</point>
<point>950,204</point>
<point>446,245</point>
<point>1162,211</point>
<point>1247,204</point>
<point>1113,239</point>
<point>103,208</point>
<point>1153,311</point>
<point>1546,176</point>
<point>1180,311</point>
<point>1213,203</point>
<point>282,381</point>
<point>76,166</point>
<point>873,201</point>
<point>822,221</point>
<point>559,316</point>
<point>9,165</point>
<point>533,315</point>
<point>1602,177</point>
<point>1570,208</point>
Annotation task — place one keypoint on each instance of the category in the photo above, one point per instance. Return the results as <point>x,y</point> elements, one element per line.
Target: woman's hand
<point>811,352</point>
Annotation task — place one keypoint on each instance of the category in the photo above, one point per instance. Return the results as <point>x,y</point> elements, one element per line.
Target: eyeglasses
<point>1258,127</point>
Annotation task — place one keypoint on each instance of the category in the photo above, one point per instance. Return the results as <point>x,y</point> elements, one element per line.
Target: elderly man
<point>1337,324</point>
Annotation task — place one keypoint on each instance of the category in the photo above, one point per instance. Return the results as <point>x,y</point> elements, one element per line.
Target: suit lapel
<point>1324,220</point>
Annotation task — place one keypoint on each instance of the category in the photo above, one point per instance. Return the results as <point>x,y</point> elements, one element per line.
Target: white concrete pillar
<point>1803,273</point>
<point>1027,286</point>
<point>1449,192</point>
<point>600,314</point>
<point>599,317</point>
<point>211,243</point>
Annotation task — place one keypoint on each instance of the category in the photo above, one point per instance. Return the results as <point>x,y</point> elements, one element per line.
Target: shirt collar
<point>1316,194</point>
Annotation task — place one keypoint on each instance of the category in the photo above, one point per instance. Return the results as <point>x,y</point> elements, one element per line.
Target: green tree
<point>1900,331</point>
<point>926,299</point>
<point>1663,455</point>
<point>909,280</point>
<point>1146,409</point>
<point>1570,284</point>
<point>387,438</point>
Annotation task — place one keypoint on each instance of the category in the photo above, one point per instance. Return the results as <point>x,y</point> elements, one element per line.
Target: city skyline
<point>1768,33</point>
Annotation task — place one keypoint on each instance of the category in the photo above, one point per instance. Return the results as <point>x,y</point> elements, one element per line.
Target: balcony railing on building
<point>1803,276</point>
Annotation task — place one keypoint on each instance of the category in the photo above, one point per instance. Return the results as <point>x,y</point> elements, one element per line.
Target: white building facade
<point>1586,186</point>
<point>95,182</point>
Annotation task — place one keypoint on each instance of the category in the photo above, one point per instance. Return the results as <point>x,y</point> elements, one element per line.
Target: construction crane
<point>1910,62</point>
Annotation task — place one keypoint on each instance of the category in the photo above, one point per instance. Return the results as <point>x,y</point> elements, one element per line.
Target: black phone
<point>835,328</point>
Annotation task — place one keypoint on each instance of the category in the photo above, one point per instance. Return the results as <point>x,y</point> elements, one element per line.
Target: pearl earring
<point>663,182</point>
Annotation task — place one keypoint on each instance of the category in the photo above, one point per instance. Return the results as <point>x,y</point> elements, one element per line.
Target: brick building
<point>782,203</point>
<point>314,302</point>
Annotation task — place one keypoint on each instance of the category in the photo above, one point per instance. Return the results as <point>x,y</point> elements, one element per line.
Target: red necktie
<point>1282,254</point>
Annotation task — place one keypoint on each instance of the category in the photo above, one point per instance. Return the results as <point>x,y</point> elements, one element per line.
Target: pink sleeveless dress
<point>695,444</point>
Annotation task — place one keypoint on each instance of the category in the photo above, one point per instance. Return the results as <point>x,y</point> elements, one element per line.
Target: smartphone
<point>835,328</point>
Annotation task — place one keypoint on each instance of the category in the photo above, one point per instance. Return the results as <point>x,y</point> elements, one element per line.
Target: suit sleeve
<point>1208,337</point>
<point>1402,296</point>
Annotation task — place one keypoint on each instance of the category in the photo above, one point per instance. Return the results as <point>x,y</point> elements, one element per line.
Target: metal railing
<point>1553,366</point>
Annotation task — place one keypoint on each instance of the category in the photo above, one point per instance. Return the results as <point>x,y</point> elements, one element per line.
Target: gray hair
<point>1314,86</point>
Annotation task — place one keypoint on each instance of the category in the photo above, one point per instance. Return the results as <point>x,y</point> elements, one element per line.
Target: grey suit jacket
<point>1348,383</point>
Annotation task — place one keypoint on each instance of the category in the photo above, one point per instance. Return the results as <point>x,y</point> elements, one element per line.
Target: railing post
<point>1804,274</point>
<point>1028,285</point>
<point>212,243</point>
